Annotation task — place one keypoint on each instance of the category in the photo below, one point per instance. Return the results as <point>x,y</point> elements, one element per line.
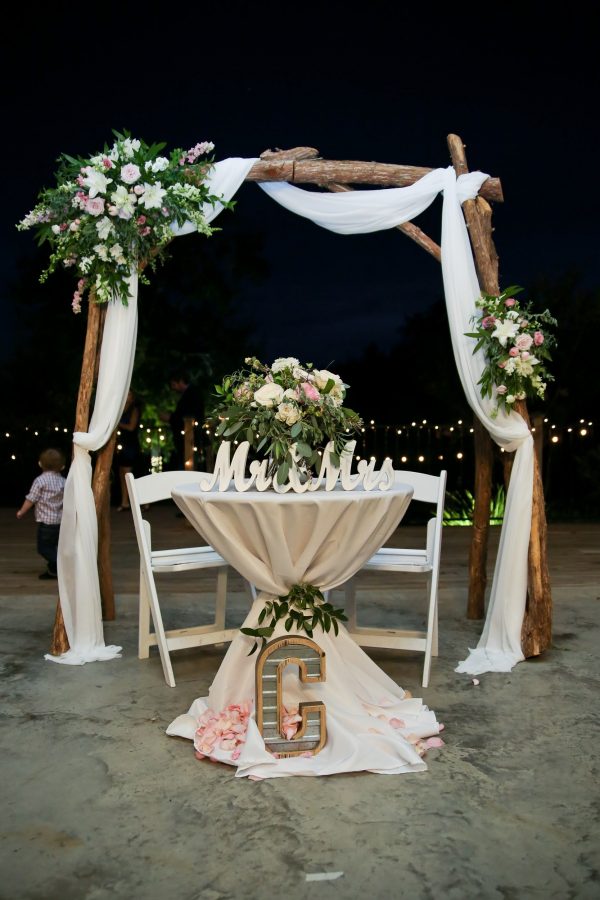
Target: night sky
<point>518,86</point>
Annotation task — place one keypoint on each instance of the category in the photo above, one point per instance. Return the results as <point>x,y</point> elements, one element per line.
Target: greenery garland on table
<point>303,607</point>
<point>112,211</point>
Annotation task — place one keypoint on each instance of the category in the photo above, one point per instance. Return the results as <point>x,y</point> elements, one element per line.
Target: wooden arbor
<point>303,166</point>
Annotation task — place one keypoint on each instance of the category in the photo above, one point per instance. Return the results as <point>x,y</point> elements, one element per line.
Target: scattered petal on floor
<point>475,681</point>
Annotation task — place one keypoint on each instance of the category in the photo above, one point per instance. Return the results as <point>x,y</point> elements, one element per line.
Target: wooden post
<point>536,634</point>
<point>101,491</point>
<point>60,641</point>
<point>478,216</point>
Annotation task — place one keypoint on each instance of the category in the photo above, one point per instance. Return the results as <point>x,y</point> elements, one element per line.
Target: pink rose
<point>130,173</point>
<point>141,220</point>
<point>488,322</point>
<point>145,231</point>
<point>538,338</point>
<point>513,351</point>
<point>501,389</point>
<point>523,342</point>
<point>95,206</point>
<point>501,365</point>
<point>139,189</point>
<point>107,163</point>
<point>310,391</point>
<point>525,354</point>
<point>510,301</point>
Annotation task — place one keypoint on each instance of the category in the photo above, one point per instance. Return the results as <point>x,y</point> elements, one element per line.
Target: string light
<point>459,455</point>
<point>555,439</point>
<point>421,459</point>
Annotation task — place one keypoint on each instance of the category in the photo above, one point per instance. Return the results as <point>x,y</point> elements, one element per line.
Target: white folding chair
<point>428,489</point>
<point>150,489</point>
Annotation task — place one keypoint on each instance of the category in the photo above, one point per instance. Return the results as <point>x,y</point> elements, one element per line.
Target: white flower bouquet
<point>516,344</point>
<point>114,211</point>
<point>288,412</point>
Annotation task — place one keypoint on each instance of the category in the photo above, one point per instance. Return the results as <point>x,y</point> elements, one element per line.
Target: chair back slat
<point>426,487</point>
<point>158,486</point>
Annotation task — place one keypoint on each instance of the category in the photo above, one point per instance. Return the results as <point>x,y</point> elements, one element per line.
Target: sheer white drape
<point>78,584</point>
<point>364,211</point>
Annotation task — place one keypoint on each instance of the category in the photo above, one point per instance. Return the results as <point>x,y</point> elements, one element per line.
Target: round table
<point>321,538</point>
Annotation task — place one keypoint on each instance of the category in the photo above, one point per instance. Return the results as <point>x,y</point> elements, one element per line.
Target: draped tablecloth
<point>321,538</point>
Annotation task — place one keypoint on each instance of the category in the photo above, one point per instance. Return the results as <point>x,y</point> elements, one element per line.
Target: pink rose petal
<point>397,723</point>
<point>434,742</point>
<point>475,681</point>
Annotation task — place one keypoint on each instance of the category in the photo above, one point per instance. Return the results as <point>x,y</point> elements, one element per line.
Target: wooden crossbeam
<point>299,166</point>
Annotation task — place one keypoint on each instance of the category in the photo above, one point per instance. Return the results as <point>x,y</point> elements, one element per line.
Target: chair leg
<point>144,621</point>
<point>221,601</point>
<point>159,630</point>
<point>350,609</point>
<point>431,641</point>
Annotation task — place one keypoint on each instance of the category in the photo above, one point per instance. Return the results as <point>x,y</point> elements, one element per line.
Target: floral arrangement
<point>517,346</point>
<point>288,411</point>
<point>113,211</point>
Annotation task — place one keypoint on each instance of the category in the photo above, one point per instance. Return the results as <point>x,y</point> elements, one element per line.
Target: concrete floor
<point>97,802</point>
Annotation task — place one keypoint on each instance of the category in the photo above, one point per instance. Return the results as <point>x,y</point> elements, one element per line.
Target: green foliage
<point>303,608</point>
<point>460,505</point>
<point>516,343</point>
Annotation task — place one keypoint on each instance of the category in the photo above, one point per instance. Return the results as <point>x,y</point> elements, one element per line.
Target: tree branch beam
<point>298,166</point>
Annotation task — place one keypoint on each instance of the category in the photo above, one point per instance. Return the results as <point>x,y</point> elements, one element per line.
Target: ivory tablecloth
<point>323,538</point>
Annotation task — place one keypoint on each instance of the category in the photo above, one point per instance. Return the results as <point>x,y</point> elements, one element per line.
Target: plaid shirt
<point>47,493</point>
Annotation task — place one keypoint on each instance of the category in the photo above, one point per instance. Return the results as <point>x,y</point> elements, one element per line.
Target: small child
<point>46,495</point>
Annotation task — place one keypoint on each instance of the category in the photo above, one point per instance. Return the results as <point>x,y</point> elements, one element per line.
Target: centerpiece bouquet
<point>517,344</point>
<point>115,210</point>
<point>288,412</point>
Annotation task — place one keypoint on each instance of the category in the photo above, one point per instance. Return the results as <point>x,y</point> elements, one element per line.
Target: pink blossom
<point>513,351</point>
<point>488,322</point>
<point>538,338</point>
<point>107,163</point>
<point>501,389</point>
<point>95,206</point>
<point>310,391</point>
<point>433,742</point>
<point>524,323</point>
<point>76,303</point>
<point>501,364</point>
<point>165,211</point>
<point>182,160</point>
<point>525,354</point>
<point>139,189</point>
<point>510,301</point>
<point>81,284</point>
<point>64,226</point>
<point>141,220</point>
<point>145,231</point>
<point>524,342</point>
<point>81,180</point>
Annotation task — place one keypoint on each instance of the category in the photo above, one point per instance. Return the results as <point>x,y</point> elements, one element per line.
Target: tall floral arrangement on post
<point>110,212</point>
<point>289,411</point>
<point>517,344</point>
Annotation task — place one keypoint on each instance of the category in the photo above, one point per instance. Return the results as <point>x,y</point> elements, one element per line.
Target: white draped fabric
<point>364,211</point>
<point>78,584</point>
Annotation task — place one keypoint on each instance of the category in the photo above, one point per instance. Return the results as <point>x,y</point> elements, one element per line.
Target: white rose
<point>160,164</point>
<point>284,362</point>
<point>322,376</point>
<point>288,413</point>
<point>291,394</point>
<point>269,394</point>
<point>56,229</point>
<point>101,251</point>
<point>510,398</point>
